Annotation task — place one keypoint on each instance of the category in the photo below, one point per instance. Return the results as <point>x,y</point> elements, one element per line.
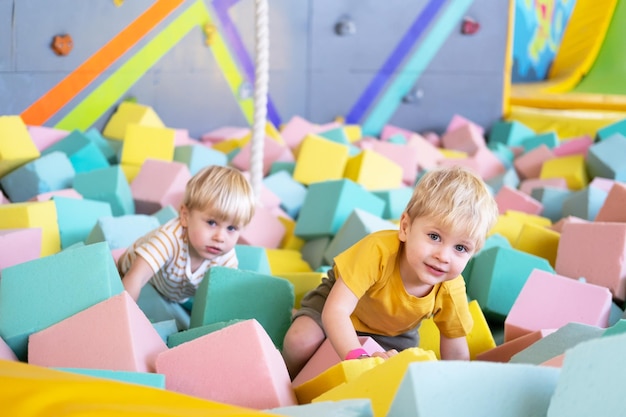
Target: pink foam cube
<point>237,365</point>
<point>224,133</point>
<point>509,198</point>
<point>612,209</point>
<point>574,146</point>
<point>526,186</point>
<point>159,184</point>
<point>505,351</point>
<point>528,165</point>
<point>325,357</point>
<point>596,252</point>
<point>265,229</point>
<point>403,155</point>
<point>294,131</point>
<point>428,155</point>
<point>113,334</point>
<point>181,138</point>
<point>604,184</point>
<point>458,121</point>
<point>558,226</point>
<point>272,152</point>
<point>44,137</point>
<point>391,130</point>
<point>19,245</point>
<point>465,138</point>
<point>550,301</point>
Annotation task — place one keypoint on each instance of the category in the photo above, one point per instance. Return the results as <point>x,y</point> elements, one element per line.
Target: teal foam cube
<point>584,204</point>
<point>313,251</point>
<point>147,379</point>
<point>511,133</point>
<point>196,332</point>
<point>253,258</point>
<point>77,217</point>
<point>498,275</point>
<point>552,199</point>
<point>165,214</point>
<point>329,203</point>
<point>108,185</point>
<point>231,294</point>
<point>83,153</point>
<point>198,156</point>
<point>607,159</point>
<point>290,192</point>
<point>37,294</point>
<point>395,201</point>
<point>550,139</point>
<point>121,232</point>
<point>611,129</point>
<point>105,146</point>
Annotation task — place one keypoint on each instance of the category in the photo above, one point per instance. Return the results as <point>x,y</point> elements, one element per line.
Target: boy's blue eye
<point>434,236</point>
<point>232,228</point>
<point>211,222</point>
<point>461,248</point>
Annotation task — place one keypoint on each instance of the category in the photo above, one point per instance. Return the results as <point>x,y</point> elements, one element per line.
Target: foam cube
<point>395,201</point>
<point>315,152</point>
<point>551,199</point>
<point>584,204</point>
<point>83,153</point>
<point>573,168</point>
<point>373,171</point>
<point>326,357</point>
<point>253,258</point>
<point>290,192</point>
<point>548,139</point>
<point>227,294</point>
<point>606,158</point>
<point>449,389</point>
<point>562,300</point>
<point>40,215</point>
<point>504,351</point>
<point>428,155</point>
<point>105,146</point>
<point>597,262</point>
<point>121,232</point>
<point>466,138</point>
<point>359,224</point>
<point>574,146</point>
<point>345,408</point>
<point>43,136</point>
<point>50,172</point>
<point>188,335</point>
<point>130,113</point>
<point>19,245</point>
<point>224,133</point>
<point>557,343</point>
<point>159,184</point>
<point>6,353</point>
<point>272,152</point>
<point>313,251</point>
<point>328,204</point>
<point>286,260</point>
<point>340,373</point>
<point>574,394</point>
<point>402,154</point>
<point>45,291</point>
<point>77,217</point>
<point>529,164</point>
<point>158,309</point>
<point>113,334</point>
<point>250,373</point>
<point>391,371</point>
<point>527,186</point>
<point>109,185</point>
<point>497,277</point>
<point>147,142</point>
<point>263,230</point>
<point>16,145</point>
<point>612,209</point>
<point>538,240</point>
<point>166,214</point>
<point>511,133</point>
<point>302,282</point>
<point>197,156</point>
<point>141,378</point>
<point>511,199</point>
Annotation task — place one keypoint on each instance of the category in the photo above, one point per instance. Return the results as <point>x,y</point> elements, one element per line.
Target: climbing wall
<point>370,62</point>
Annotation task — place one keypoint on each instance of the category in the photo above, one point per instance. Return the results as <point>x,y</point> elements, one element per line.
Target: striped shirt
<point>166,251</point>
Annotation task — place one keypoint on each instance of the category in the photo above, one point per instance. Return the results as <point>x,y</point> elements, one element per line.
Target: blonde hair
<point>224,191</point>
<point>457,198</point>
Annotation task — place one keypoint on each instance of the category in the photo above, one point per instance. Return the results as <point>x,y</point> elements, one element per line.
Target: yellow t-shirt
<point>370,270</point>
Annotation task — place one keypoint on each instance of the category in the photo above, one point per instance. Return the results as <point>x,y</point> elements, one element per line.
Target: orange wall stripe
<point>51,102</point>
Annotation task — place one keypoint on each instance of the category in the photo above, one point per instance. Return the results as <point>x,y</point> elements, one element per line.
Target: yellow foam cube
<point>380,383</point>
<point>479,339</point>
<point>143,142</point>
<point>129,113</point>
<point>290,240</point>
<point>452,154</point>
<point>302,283</point>
<point>319,159</point>
<point>373,171</point>
<point>341,373</point>
<point>228,145</point>
<point>510,224</point>
<point>42,215</point>
<point>572,168</point>
<point>529,218</point>
<point>130,171</point>
<point>16,145</point>
<point>353,132</point>
<point>539,241</point>
<point>286,261</point>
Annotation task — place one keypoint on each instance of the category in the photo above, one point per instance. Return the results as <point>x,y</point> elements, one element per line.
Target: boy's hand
<point>385,355</point>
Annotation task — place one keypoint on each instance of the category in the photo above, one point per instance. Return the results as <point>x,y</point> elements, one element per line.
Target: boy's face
<point>433,254</point>
<point>208,236</point>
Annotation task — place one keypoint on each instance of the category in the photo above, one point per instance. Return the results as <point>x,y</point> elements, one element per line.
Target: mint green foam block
<point>253,258</point>
<point>37,294</point>
<point>231,294</point>
<point>497,276</point>
<point>590,383</point>
<point>328,204</point>
<point>395,201</point>
<point>360,407</point>
<point>108,185</point>
<point>165,214</point>
<point>198,156</point>
<point>196,332</point>
<point>140,378</point>
<point>511,133</point>
<point>76,218</point>
<point>83,153</point>
<point>476,388</point>
<point>121,231</point>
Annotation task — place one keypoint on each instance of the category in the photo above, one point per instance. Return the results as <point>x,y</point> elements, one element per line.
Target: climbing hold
<point>469,26</point>
<point>62,44</point>
<point>210,32</point>
<point>345,26</point>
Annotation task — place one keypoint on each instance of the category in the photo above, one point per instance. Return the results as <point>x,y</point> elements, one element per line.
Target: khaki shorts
<point>312,305</point>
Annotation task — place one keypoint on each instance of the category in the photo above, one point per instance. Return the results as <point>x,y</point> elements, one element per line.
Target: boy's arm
<point>454,348</point>
<point>136,277</point>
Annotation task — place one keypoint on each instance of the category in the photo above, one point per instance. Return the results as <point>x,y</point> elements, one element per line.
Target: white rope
<point>261,81</point>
